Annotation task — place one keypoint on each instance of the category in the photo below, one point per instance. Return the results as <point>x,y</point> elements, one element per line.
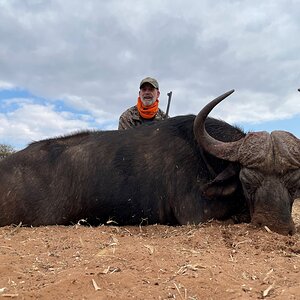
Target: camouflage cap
<point>150,80</point>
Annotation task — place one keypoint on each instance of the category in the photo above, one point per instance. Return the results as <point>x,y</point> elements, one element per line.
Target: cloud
<point>6,85</point>
<point>90,56</point>
<point>30,122</point>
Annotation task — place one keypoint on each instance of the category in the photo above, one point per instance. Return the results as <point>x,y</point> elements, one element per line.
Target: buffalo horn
<point>228,150</point>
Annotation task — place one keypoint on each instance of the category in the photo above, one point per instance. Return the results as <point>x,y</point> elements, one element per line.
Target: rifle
<point>169,101</point>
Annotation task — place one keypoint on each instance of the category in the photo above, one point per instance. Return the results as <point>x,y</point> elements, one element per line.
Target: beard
<point>147,101</point>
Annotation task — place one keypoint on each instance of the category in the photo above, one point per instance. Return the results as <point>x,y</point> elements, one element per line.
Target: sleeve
<point>125,121</point>
<point>122,123</point>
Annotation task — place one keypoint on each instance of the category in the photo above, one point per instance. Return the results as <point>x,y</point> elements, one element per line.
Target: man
<point>146,110</point>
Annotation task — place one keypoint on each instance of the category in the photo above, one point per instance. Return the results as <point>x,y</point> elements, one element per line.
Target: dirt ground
<point>211,261</point>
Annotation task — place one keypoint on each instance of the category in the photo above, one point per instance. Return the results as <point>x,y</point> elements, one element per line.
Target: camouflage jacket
<point>132,118</point>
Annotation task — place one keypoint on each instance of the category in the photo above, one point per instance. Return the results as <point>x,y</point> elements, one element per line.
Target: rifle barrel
<point>169,102</point>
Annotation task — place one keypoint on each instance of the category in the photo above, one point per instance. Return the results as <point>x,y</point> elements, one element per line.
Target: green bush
<point>6,150</point>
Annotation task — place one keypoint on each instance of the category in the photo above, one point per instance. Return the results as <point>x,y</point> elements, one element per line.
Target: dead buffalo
<point>177,171</point>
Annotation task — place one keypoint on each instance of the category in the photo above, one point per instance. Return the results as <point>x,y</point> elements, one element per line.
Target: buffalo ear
<point>219,190</point>
<point>224,184</point>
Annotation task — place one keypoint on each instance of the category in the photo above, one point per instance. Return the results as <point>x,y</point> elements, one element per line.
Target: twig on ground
<point>265,293</point>
<point>96,286</point>
<point>178,291</point>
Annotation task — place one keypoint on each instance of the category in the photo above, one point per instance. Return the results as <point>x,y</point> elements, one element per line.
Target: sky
<point>70,65</point>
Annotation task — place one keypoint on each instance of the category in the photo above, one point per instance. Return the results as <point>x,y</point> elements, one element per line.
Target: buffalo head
<point>270,170</point>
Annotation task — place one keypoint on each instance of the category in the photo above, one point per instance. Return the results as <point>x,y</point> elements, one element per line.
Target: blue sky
<point>72,65</point>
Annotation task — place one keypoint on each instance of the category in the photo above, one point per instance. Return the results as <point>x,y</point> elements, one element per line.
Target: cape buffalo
<point>182,170</point>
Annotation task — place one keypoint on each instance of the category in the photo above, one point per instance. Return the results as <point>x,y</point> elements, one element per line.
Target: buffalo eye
<point>250,180</point>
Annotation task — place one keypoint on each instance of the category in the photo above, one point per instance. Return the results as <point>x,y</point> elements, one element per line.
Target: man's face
<point>148,94</point>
